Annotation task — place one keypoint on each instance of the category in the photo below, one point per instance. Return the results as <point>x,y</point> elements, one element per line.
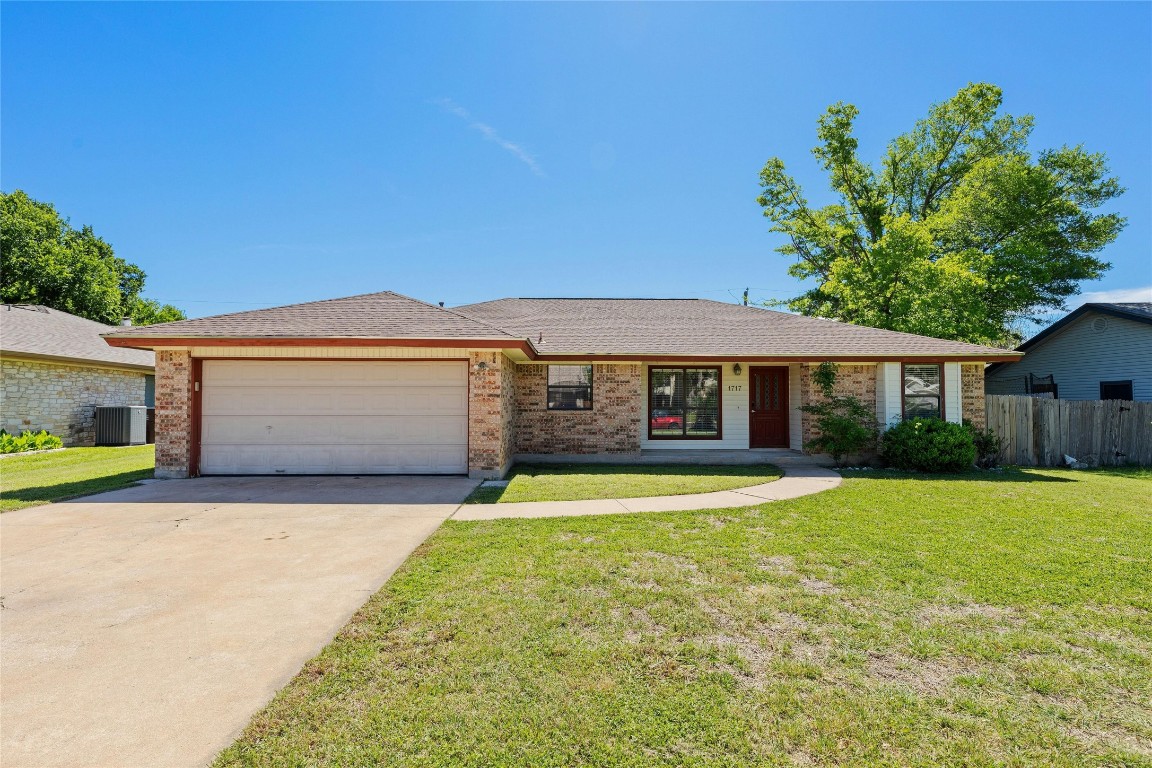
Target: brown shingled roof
<point>697,327</point>
<point>36,331</point>
<point>384,315</point>
<point>618,327</point>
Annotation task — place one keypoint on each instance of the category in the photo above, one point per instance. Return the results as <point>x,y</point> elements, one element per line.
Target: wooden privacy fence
<point>1039,432</point>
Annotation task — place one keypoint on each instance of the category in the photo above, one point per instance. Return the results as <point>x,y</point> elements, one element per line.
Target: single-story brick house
<point>382,383</point>
<point>55,369</point>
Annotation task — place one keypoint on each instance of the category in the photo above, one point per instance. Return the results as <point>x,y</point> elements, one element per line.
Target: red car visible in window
<point>665,420</point>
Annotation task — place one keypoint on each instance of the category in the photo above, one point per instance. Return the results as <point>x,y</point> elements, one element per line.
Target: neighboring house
<point>55,369</point>
<point>1097,352</point>
<point>382,383</point>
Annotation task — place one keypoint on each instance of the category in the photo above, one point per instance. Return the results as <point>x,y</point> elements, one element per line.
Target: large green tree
<point>43,260</point>
<point>960,233</point>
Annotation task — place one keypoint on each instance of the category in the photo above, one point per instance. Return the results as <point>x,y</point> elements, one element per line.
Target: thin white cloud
<point>489,133</point>
<point>1118,295</point>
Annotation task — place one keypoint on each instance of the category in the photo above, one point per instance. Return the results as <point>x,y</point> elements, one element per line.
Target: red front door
<point>769,408</point>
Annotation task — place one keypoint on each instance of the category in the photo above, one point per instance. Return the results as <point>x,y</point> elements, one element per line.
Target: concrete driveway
<point>144,627</point>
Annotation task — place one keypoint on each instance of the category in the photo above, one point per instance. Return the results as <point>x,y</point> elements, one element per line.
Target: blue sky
<point>247,155</point>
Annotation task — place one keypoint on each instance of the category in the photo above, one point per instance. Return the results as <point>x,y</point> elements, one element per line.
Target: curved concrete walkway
<point>799,479</point>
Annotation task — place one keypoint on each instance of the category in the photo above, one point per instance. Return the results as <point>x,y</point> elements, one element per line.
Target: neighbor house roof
<point>552,328</point>
<point>30,330</point>
<point>698,327</point>
<point>384,315</point>
<point>1139,311</point>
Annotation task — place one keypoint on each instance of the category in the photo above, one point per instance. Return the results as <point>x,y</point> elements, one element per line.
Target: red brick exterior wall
<point>173,413</point>
<point>612,426</point>
<point>972,394</point>
<point>507,410</point>
<point>491,393</point>
<point>856,380</point>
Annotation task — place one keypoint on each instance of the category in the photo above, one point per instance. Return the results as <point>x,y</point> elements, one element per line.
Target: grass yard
<point>571,482</point>
<point>28,480</point>
<point>991,619</point>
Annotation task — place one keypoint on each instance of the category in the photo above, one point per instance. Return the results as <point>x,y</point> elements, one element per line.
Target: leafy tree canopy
<point>960,233</point>
<point>43,260</point>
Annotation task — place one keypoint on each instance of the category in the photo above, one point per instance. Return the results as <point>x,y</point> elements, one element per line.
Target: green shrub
<point>846,426</point>
<point>28,441</point>
<point>988,445</point>
<point>929,445</point>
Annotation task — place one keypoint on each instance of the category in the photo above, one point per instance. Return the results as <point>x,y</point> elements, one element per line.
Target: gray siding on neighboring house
<point>1083,355</point>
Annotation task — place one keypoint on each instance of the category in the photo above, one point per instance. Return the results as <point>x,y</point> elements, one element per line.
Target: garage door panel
<point>334,417</point>
<point>360,430</point>
<point>401,400</point>
<point>332,460</point>
<point>226,400</point>
<point>272,373</point>
<point>320,459</point>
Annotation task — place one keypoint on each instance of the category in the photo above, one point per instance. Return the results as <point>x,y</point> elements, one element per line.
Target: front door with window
<point>769,407</point>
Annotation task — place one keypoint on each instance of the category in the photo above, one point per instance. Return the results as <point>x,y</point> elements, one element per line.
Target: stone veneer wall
<point>972,394</point>
<point>62,399</point>
<point>490,396</point>
<point>173,413</point>
<point>856,380</point>
<point>612,426</point>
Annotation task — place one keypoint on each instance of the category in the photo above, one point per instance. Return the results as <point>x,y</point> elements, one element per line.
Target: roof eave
<point>91,362</point>
<point>1076,314</point>
<point>973,357</point>
<point>153,341</point>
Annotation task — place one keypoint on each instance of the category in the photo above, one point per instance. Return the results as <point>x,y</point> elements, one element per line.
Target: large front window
<point>923,391</point>
<point>684,403</point>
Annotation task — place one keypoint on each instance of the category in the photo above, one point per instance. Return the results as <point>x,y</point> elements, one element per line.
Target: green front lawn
<point>571,482</point>
<point>39,478</point>
<point>988,619</point>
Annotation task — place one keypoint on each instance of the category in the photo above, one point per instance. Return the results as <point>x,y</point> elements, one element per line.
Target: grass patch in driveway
<point>574,482</point>
<point>40,478</point>
<point>988,619</point>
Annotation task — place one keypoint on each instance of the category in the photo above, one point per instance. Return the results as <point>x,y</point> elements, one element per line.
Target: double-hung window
<point>569,387</point>
<point>684,403</point>
<point>923,391</point>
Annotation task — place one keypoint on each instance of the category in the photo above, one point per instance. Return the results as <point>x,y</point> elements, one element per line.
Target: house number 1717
<point>735,387</point>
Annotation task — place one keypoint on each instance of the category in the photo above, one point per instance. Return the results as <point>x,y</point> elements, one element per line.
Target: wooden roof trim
<point>152,342</point>
<point>805,358</point>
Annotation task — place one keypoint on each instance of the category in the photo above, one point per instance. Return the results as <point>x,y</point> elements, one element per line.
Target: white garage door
<point>313,418</point>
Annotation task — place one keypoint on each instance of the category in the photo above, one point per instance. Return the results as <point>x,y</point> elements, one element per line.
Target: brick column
<point>173,413</point>
<point>972,394</point>
<point>491,392</point>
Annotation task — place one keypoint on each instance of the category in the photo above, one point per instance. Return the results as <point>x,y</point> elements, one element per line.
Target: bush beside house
<point>928,445</point>
<point>28,441</point>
